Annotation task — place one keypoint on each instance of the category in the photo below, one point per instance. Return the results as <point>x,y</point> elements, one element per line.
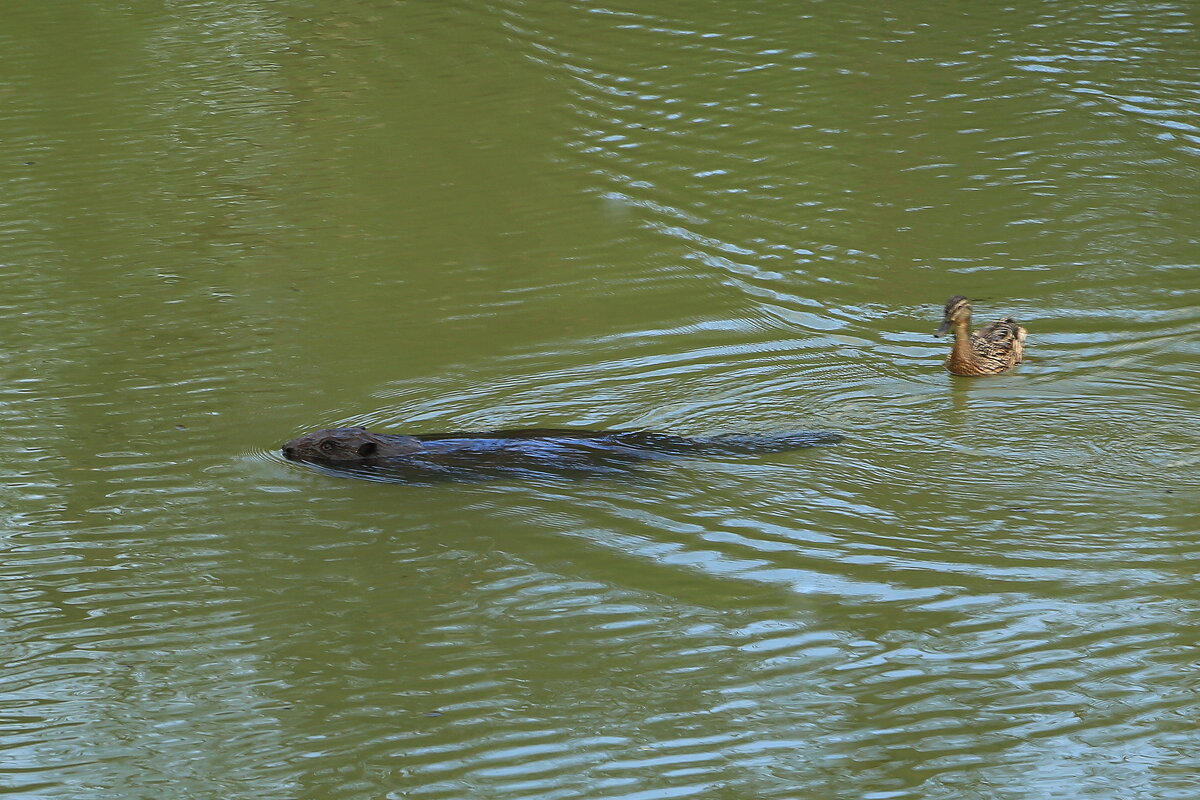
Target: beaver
<point>527,451</point>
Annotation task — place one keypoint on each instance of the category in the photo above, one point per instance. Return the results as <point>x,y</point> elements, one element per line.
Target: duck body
<point>991,350</point>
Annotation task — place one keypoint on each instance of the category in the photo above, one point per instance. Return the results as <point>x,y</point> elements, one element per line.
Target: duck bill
<point>945,326</point>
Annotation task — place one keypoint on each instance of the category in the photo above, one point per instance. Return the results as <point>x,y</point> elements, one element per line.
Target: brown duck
<point>990,350</point>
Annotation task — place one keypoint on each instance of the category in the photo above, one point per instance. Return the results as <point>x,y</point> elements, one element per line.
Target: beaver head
<point>348,446</point>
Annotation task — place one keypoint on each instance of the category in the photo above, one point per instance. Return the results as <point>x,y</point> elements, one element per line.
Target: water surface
<point>226,225</point>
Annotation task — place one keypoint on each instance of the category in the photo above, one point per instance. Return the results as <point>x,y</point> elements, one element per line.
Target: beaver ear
<point>367,448</point>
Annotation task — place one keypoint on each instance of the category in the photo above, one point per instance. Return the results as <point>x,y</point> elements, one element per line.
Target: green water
<point>224,224</point>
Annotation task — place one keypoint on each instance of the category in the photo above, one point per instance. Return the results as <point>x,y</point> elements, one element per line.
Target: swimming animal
<point>990,350</point>
<point>531,451</point>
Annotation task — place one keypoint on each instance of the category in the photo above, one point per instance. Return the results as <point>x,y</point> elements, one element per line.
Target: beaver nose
<point>288,452</point>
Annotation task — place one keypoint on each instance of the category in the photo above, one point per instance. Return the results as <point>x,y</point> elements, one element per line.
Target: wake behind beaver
<point>425,457</point>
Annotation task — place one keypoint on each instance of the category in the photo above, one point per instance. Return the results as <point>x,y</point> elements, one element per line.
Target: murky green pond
<point>224,224</point>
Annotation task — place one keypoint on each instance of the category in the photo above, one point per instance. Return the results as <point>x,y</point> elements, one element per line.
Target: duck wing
<point>1000,344</point>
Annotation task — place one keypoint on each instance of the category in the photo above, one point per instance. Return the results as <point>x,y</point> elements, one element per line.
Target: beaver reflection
<point>530,451</point>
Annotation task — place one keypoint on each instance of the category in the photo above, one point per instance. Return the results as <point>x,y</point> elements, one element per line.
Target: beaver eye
<point>327,445</point>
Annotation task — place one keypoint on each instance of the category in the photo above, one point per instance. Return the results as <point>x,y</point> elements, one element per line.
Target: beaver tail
<point>742,443</point>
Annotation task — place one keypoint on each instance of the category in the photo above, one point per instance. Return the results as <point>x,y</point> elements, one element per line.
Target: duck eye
<point>327,445</point>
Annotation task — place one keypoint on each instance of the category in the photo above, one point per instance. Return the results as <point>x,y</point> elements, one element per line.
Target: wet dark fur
<point>547,451</point>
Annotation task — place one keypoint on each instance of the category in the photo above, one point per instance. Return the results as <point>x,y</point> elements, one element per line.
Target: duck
<point>991,350</point>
